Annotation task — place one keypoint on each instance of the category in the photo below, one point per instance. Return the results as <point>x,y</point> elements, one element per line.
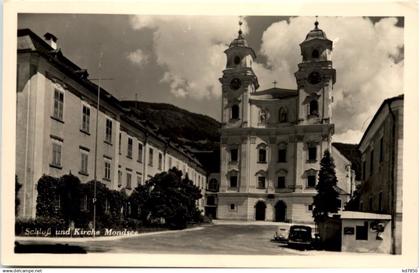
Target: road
<point>210,239</point>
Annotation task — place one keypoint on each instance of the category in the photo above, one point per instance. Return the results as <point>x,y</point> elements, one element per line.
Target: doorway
<point>280,211</point>
<point>260,211</point>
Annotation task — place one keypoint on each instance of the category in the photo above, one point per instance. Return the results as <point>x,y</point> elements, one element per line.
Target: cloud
<point>138,57</point>
<point>190,49</point>
<point>364,56</point>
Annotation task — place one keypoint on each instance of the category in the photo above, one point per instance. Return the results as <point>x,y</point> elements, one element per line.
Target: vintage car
<point>300,236</point>
<point>282,233</point>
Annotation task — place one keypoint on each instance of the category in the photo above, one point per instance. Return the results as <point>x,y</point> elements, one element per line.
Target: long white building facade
<point>56,107</point>
<point>272,140</point>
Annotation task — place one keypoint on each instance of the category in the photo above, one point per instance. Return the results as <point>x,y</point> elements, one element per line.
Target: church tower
<point>238,82</point>
<point>315,78</point>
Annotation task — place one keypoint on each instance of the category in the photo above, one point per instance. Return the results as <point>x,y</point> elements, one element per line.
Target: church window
<point>234,155</point>
<point>312,152</point>
<point>313,108</point>
<point>261,182</point>
<point>315,54</point>
<point>237,60</point>
<point>282,154</point>
<point>281,182</point>
<point>282,114</point>
<point>235,112</point>
<point>311,181</point>
<point>233,181</point>
<point>213,185</point>
<point>262,155</point>
<point>210,200</point>
<point>232,207</point>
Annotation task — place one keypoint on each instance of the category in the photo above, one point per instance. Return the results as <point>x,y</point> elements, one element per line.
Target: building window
<point>381,150</point>
<point>380,202</point>
<point>140,153</point>
<point>58,104</point>
<point>232,207</point>
<point>169,162</point>
<point>210,201</point>
<point>362,232</point>
<point>160,163</point>
<point>315,54</point>
<point>83,162</point>
<point>233,181</point>
<point>128,180</point>
<point>311,181</point>
<point>282,155</point>
<point>370,203</point>
<point>233,155</point>
<point>213,185</point>
<point>281,182</point>
<point>107,170</point>
<point>130,148</point>
<point>56,154</point>
<point>151,158</point>
<point>119,143</point>
<point>313,108</point>
<point>262,155</point>
<point>119,178</point>
<point>371,162</point>
<point>235,112</point>
<point>364,170</point>
<point>310,207</point>
<point>108,131</point>
<point>282,114</point>
<point>139,179</point>
<point>312,153</point>
<point>261,182</point>
<point>85,118</point>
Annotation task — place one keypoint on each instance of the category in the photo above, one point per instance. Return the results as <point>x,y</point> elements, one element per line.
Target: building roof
<point>274,93</point>
<point>363,215</point>
<point>316,33</point>
<point>384,103</point>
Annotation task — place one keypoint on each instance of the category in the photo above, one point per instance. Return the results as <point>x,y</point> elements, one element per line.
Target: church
<point>272,141</point>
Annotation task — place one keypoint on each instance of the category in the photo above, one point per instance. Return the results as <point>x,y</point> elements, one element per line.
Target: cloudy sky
<point>178,59</point>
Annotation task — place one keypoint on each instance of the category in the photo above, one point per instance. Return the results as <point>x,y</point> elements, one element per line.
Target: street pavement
<point>221,238</point>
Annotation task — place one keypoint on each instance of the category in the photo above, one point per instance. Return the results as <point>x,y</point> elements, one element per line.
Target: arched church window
<point>313,108</point>
<point>235,112</point>
<point>262,155</point>
<point>282,114</point>
<point>237,60</point>
<point>315,54</point>
<point>213,184</point>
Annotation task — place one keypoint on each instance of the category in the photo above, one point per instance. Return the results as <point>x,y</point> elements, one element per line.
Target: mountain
<point>199,133</point>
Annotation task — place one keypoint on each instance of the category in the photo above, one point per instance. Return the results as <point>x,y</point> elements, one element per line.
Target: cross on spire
<point>274,83</point>
<point>240,25</point>
<point>316,22</point>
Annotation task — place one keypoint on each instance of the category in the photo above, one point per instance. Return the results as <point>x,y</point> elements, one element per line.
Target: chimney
<point>51,40</point>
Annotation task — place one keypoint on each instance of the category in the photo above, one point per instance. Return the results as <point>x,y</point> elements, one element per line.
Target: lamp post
<point>96,141</point>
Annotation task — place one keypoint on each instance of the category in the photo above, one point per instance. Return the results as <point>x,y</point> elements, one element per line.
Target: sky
<point>179,59</point>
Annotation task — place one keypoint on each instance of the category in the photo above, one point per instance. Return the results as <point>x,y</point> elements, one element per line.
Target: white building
<point>55,128</point>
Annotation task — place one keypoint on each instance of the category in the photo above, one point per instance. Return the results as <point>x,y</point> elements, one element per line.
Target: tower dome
<point>316,33</point>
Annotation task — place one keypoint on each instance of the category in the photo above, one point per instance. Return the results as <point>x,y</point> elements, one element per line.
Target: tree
<point>169,198</point>
<point>326,201</point>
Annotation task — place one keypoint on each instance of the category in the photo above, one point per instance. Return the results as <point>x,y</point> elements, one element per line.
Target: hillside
<point>196,131</point>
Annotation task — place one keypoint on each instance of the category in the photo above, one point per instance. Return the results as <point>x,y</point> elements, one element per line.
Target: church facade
<point>272,140</point>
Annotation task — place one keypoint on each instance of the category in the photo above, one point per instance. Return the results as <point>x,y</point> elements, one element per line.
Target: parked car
<point>300,236</point>
<point>282,233</point>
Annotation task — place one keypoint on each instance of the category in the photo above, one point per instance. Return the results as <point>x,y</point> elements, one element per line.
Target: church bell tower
<point>315,78</point>
<point>238,81</point>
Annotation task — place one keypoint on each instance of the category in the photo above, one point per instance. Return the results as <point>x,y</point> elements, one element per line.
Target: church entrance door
<point>260,211</point>
<point>280,211</point>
